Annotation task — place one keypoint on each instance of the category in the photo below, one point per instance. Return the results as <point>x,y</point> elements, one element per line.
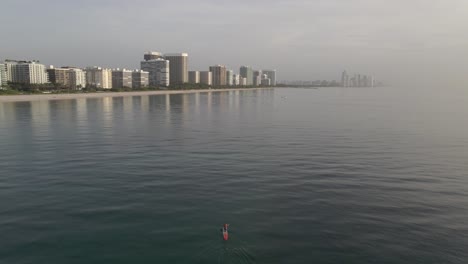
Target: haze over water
<point>302,176</point>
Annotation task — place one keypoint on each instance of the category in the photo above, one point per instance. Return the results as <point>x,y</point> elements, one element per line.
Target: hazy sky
<point>394,40</point>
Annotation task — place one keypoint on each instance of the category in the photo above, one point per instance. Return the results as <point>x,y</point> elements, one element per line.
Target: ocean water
<point>325,175</point>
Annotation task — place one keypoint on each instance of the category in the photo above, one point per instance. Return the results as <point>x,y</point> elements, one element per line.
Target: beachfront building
<point>69,77</point>
<point>235,79</point>
<point>271,74</point>
<point>265,81</point>
<point>257,78</point>
<point>178,68</point>
<point>218,75</point>
<point>344,79</point>
<point>158,70</point>
<point>247,73</point>
<point>31,72</point>
<point>242,81</point>
<point>152,55</point>
<point>229,77</point>
<point>121,78</point>
<point>77,78</point>
<point>97,77</point>
<point>3,75</point>
<point>206,77</point>
<point>194,77</point>
<point>140,79</point>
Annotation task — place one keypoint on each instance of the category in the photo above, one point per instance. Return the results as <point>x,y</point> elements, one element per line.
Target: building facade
<point>206,77</point>
<point>152,55</point>
<point>194,77</point>
<point>97,77</point>
<point>3,75</point>
<point>229,77</point>
<point>77,78</point>
<point>178,68</point>
<point>31,72</point>
<point>158,72</point>
<point>121,78</point>
<point>218,75</point>
<point>271,74</point>
<point>247,73</point>
<point>140,79</point>
<point>235,79</point>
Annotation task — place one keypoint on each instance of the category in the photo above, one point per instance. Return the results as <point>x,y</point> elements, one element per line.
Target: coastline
<point>47,97</point>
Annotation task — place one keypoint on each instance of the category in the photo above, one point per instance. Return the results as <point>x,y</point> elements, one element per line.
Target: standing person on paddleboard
<point>225,231</point>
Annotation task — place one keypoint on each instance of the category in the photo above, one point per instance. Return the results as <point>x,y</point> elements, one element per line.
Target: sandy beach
<point>42,97</point>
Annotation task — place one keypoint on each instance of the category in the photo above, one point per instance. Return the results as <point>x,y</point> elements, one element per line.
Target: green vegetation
<point>24,88</point>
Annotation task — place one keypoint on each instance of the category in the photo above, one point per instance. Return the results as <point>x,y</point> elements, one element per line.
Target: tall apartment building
<point>257,78</point>
<point>235,79</point>
<point>73,78</point>
<point>271,74</point>
<point>77,78</point>
<point>247,73</point>
<point>26,72</point>
<point>229,77</point>
<point>242,81</point>
<point>206,77</point>
<point>3,75</point>
<point>194,77</point>
<point>178,67</point>
<point>97,77</point>
<point>344,79</point>
<point>121,78</point>
<point>140,79</point>
<point>158,70</point>
<point>58,76</point>
<point>218,75</point>
<point>152,55</point>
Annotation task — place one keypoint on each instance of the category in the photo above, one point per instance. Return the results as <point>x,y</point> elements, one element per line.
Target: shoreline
<point>48,97</point>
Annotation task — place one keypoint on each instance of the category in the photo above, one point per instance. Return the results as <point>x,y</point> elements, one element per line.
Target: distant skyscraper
<point>3,75</point>
<point>152,55</point>
<point>271,74</point>
<point>247,73</point>
<point>26,72</point>
<point>242,81</point>
<point>235,79</point>
<point>97,77</point>
<point>178,67</point>
<point>206,77</point>
<point>121,78</point>
<point>219,75</point>
<point>344,79</point>
<point>229,77</point>
<point>194,77</point>
<point>257,78</point>
<point>158,70</point>
<point>140,79</point>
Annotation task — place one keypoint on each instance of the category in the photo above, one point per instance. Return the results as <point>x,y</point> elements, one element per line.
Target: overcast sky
<point>303,39</point>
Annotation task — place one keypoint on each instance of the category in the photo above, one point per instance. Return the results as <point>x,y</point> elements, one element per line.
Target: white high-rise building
<point>98,77</point>
<point>77,78</point>
<point>26,72</point>
<point>271,74</point>
<point>159,72</point>
<point>229,77</point>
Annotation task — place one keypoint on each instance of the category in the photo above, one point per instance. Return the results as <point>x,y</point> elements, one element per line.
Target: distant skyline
<point>396,41</point>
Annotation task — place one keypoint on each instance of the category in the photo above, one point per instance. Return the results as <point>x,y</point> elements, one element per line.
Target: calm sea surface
<point>301,175</point>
